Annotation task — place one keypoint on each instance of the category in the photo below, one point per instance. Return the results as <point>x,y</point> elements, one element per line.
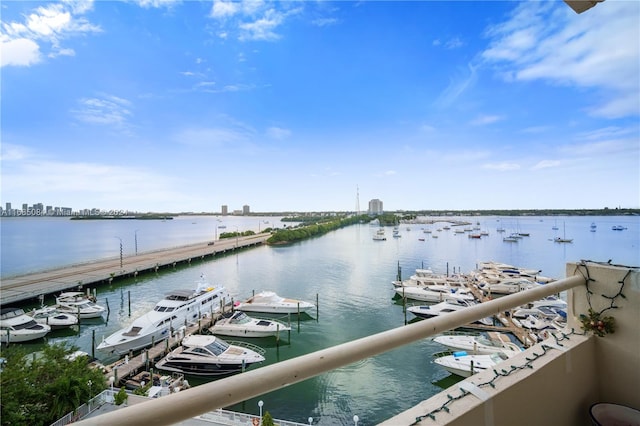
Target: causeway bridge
<point>29,286</point>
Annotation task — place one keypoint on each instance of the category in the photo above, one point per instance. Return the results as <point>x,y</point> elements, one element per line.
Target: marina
<point>350,273</point>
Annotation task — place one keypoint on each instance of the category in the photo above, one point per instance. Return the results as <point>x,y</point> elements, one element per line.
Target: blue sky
<point>155,105</point>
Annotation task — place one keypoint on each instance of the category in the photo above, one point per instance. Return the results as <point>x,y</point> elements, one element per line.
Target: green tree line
<point>301,232</point>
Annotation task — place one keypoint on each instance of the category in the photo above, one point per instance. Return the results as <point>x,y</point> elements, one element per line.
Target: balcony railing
<point>208,397</point>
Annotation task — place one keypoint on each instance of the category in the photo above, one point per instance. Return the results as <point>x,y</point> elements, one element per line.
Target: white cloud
<point>546,164</point>
<point>262,28</point>
<point>324,22</point>
<point>223,9</point>
<point>454,43</point>
<point>19,52</point>
<point>501,167</point>
<point>486,119</point>
<point>45,28</point>
<point>599,49</point>
<point>105,110</point>
<point>157,3</point>
<point>457,86</point>
<point>278,133</point>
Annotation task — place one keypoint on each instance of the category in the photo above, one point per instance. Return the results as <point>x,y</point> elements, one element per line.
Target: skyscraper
<point>375,206</point>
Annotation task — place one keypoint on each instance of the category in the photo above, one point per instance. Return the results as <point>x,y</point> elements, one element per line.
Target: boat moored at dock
<point>78,303</point>
<point>177,308</point>
<point>16,326</point>
<point>206,355</point>
<point>239,324</point>
<point>270,302</point>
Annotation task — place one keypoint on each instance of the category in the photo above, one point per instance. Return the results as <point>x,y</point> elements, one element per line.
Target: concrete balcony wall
<point>617,355</point>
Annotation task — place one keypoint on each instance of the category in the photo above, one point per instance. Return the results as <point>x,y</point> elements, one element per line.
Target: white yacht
<point>16,326</point>
<point>443,308</point>
<point>206,355</point>
<point>478,345</point>
<point>434,295</point>
<point>177,308</point>
<point>463,364</point>
<point>270,302</point>
<point>239,324</point>
<point>54,318</point>
<point>78,303</point>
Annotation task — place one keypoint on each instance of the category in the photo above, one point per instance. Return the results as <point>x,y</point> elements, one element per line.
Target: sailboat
<point>564,238</point>
<point>555,226</point>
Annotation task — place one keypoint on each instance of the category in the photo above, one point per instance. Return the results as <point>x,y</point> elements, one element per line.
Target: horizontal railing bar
<point>188,403</point>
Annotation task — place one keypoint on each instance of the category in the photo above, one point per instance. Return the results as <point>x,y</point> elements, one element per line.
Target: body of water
<point>347,270</point>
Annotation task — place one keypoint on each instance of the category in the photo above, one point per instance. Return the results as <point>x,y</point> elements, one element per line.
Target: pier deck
<point>30,286</point>
<point>130,366</point>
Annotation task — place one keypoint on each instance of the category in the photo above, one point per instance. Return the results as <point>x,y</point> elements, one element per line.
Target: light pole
<point>120,251</point>
<point>260,404</point>
<point>237,232</point>
<point>310,420</point>
<point>89,383</point>
<point>135,239</point>
<point>111,380</point>
<point>355,419</point>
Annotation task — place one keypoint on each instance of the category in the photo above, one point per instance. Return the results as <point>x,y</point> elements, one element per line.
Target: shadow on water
<point>448,381</point>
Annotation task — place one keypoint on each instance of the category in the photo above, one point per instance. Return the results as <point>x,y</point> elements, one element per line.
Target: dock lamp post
<point>260,404</point>
<point>135,240</point>
<point>355,419</point>
<point>310,420</point>
<point>237,233</point>
<point>89,383</point>
<point>120,251</point>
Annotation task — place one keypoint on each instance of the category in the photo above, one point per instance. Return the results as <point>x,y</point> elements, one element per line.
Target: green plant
<point>121,397</point>
<point>267,420</point>
<point>598,323</point>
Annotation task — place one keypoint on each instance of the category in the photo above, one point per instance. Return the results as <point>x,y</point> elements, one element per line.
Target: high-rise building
<point>375,206</point>
<point>225,210</point>
<point>245,209</point>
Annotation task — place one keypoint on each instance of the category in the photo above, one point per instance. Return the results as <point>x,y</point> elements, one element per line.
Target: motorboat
<point>176,309</point>
<point>270,302</point>
<point>207,355</point>
<point>379,235</point>
<point>540,311</point>
<point>51,316</point>
<point>426,294</point>
<point>478,345</point>
<point>550,301</point>
<point>78,303</point>
<point>509,286</point>
<point>16,326</point>
<point>463,364</point>
<point>442,308</point>
<point>239,324</point>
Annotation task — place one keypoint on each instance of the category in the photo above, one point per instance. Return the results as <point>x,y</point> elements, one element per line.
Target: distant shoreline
<point>124,217</point>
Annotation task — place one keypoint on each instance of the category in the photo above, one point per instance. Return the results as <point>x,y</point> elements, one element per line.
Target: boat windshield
<point>240,318</point>
<point>217,346</point>
<point>26,325</point>
<point>487,342</point>
<point>499,357</point>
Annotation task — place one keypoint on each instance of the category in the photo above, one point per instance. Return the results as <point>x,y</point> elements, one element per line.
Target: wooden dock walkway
<point>131,365</point>
<point>508,326</point>
<point>30,286</point>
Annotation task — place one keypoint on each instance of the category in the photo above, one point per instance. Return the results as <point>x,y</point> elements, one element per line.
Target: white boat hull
<point>20,336</point>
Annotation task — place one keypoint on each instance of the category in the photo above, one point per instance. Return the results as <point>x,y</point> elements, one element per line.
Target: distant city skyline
<point>297,106</point>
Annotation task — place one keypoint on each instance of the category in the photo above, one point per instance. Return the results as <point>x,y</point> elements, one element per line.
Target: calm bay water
<point>349,273</point>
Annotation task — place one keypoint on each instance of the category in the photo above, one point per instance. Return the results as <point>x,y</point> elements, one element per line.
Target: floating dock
<point>30,286</point>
